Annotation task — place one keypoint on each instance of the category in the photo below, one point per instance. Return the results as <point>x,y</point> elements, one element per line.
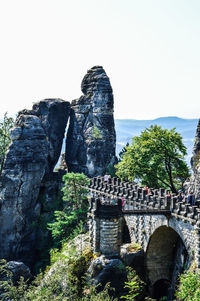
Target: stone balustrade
<point>137,199</point>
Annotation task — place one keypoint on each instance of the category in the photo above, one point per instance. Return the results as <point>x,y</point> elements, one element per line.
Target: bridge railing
<point>136,198</point>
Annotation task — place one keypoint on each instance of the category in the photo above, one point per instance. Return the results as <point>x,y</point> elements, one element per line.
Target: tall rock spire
<point>196,148</point>
<point>91,138</point>
<point>193,183</point>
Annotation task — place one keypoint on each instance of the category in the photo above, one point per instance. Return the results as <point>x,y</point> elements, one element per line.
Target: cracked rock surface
<point>193,183</point>
<point>91,138</point>
<point>36,141</point>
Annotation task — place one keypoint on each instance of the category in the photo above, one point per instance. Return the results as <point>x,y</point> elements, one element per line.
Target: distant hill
<point>128,128</point>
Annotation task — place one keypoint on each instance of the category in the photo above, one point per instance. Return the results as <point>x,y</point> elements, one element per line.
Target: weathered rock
<point>23,171</point>
<point>103,270</point>
<point>19,269</point>
<point>196,148</point>
<point>13,270</point>
<point>135,259</point>
<point>63,164</point>
<point>34,150</point>
<point>91,138</point>
<point>54,114</point>
<point>193,183</point>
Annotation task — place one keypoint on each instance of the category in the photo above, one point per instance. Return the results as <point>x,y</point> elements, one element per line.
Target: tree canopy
<point>75,189</point>
<point>75,207</point>
<point>155,159</point>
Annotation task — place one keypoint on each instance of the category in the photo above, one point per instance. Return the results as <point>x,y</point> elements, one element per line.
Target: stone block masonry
<point>158,223</point>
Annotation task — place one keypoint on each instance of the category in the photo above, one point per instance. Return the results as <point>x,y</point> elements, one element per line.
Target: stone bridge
<point>158,222</point>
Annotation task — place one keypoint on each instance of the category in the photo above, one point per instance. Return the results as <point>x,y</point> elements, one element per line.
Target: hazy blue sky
<point>150,49</point>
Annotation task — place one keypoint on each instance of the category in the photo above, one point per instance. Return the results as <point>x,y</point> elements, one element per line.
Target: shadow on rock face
<point>103,270</point>
<point>18,269</point>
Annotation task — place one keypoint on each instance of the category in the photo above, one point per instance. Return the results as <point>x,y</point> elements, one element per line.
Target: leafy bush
<point>65,225</point>
<point>96,133</point>
<point>189,287</point>
<point>63,281</point>
<point>135,286</point>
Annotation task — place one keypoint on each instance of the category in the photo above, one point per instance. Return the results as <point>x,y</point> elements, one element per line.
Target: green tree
<point>75,190</point>
<point>75,207</point>
<point>156,159</point>
<point>5,126</point>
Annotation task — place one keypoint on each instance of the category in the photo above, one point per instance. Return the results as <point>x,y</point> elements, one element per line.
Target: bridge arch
<point>166,256</point>
<point>125,232</point>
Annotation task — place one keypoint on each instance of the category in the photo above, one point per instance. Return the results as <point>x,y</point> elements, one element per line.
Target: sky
<point>150,49</point>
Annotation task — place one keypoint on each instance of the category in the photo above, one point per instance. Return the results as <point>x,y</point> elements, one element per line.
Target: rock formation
<point>196,149</point>
<point>91,138</point>
<point>193,184</point>
<point>36,141</point>
<point>103,270</point>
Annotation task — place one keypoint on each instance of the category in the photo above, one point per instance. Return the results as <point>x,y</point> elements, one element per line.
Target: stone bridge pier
<point>168,231</point>
<point>105,228</point>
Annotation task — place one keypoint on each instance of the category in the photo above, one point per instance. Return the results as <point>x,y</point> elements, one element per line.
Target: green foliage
<point>9,291</point>
<point>5,126</point>
<point>75,190</point>
<point>156,159</point>
<point>44,237</point>
<point>90,294</point>
<point>96,133</point>
<point>111,170</point>
<point>65,281</point>
<point>135,286</point>
<point>67,222</point>
<point>66,225</point>
<point>134,247</point>
<point>189,287</point>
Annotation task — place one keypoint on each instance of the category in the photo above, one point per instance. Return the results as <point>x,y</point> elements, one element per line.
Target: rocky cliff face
<point>91,138</point>
<point>34,150</point>
<point>36,143</point>
<point>193,184</point>
<point>196,149</point>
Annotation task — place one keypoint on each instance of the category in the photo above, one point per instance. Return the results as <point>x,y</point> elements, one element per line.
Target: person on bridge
<point>191,198</point>
<point>181,196</point>
<point>169,194</point>
<point>146,189</point>
<point>150,192</point>
<point>113,201</point>
<point>106,178</point>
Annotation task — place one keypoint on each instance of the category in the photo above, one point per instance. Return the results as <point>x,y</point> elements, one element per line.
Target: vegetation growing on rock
<point>75,205</point>
<point>5,126</point>
<point>67,279</point>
